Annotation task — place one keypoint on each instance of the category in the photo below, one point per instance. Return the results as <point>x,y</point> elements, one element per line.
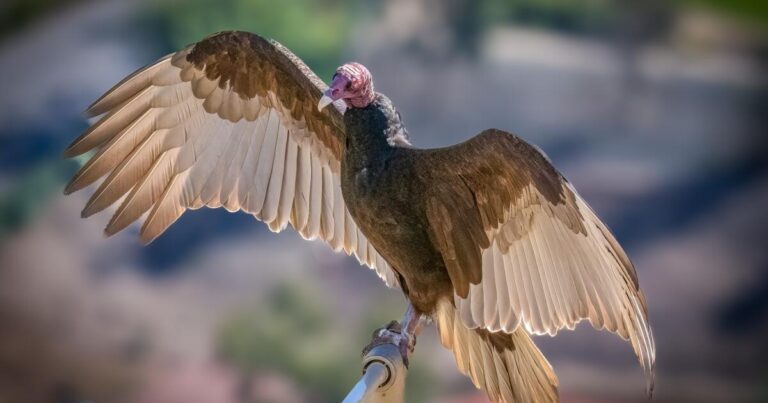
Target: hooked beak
<point>334,92</point>
<point>324,101</point>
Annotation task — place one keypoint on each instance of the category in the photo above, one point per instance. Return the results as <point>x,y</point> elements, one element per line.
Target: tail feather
<point>509,367</point>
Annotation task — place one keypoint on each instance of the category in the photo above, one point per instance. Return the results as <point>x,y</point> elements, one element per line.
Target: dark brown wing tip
<point>71,187</point>
<point>111,229</point>
<point>92,112</point>
<point>75,148</point>
<point>71,151</point>
<point>651,385</point>
<point>145,241</point>
<point>107,233</point>
<point>68,153</point>
<point>88,210</point>
<point>93,109</point>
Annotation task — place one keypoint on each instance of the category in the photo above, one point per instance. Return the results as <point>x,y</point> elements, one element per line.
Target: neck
<point>373,133</point>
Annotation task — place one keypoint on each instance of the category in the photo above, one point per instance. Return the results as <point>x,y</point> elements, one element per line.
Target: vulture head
<point>353,83</point>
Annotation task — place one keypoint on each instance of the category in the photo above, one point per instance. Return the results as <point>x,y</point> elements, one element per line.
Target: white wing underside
<point>186,143</point>
<point>541,275</point>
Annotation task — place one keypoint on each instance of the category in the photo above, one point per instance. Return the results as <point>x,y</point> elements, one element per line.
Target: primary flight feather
<point>486,237</point>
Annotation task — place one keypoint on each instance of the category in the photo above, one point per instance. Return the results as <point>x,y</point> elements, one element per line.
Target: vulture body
<point>485,237</point>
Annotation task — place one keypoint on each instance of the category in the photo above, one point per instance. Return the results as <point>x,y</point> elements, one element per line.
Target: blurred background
<point>656,110</point>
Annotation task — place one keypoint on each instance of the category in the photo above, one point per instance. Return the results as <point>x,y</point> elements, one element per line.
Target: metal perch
<point>385,362</point>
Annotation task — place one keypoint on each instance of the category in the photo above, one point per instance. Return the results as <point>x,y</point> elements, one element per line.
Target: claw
<point>402,335</point>
<point>393,334</point>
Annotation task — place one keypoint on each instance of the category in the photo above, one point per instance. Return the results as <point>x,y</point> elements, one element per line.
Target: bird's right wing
<point>523,249</point>
<point>230,121</point>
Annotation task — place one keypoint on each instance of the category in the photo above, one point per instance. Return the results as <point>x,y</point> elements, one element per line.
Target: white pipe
<point>375,376</point>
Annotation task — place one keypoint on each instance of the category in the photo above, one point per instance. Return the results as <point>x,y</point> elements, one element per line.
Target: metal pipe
<point>374,377</point>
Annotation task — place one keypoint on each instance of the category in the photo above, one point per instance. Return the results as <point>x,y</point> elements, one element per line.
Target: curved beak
<point>334,92</point>
<point>325,100</point>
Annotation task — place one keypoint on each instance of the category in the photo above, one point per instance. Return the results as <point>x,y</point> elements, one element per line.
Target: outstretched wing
<point>228,122</point>
<point>529,250</point>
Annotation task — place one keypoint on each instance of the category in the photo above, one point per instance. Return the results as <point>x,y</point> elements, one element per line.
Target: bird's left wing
<point>231,122</point>
<point>523,249</point>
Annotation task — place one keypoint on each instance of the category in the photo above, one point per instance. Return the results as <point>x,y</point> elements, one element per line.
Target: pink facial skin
<point>340,86</point>
<point>352,83</point>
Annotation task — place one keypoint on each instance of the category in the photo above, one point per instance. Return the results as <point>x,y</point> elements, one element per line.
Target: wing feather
<point>326,217</point>
<point>128,87</point>
<point>289,185</point>
<point>233,180</point>
<point>272,201</point>
<point>311,231</point>
<point>303,183</point>
<point>144,194</point>
<point>266,162</point>
<point>508,367</point>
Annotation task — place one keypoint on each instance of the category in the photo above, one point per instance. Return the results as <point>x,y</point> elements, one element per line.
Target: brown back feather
<point>473,186</point>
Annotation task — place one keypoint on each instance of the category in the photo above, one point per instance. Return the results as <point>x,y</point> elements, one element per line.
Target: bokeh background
<point>656,110</point>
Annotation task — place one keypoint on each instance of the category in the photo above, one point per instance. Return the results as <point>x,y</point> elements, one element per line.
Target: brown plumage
<point>484,236</point>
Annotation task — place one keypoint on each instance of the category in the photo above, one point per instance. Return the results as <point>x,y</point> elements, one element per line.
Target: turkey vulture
<point>485,237</point>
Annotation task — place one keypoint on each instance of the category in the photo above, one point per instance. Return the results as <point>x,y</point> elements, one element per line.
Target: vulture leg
<point>401,334</point>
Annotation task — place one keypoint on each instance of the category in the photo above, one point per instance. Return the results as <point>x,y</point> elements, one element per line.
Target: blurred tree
<point>287,332</point>
<point>749,10</point>
<point>15,14</point>
<point>470,18</point>
<point>626,20</point>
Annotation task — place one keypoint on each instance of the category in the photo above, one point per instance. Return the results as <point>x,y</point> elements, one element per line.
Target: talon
<point>405,349</point>
<point>401,334</point>
<point>392,334</point>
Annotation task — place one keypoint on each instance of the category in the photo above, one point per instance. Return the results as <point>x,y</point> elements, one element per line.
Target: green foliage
<point>599,15</point>
<point>15,14</point>
<point>749,10</point>
<point>290,333</point>
<point>314,30</point>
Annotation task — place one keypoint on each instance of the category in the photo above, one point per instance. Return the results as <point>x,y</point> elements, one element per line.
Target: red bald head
<point>353,83</point>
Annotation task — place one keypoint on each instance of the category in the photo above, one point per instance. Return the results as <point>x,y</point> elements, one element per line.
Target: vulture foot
<point>393,334</point>
<point>401,334</point>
